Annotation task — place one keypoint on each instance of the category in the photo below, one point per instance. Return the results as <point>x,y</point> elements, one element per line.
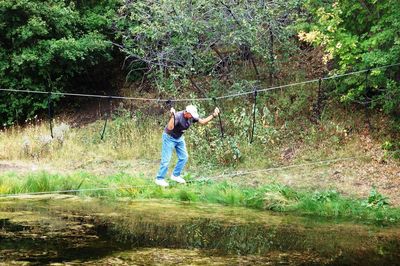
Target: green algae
<point>67,229</point>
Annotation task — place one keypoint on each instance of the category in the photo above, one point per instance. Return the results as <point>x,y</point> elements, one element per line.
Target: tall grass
<point>123,140</point>
<point>138,137</point>
<point>274,197</point>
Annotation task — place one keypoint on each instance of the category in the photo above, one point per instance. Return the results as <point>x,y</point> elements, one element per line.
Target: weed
<point>186,195</point>
<point>326,196</point>
<point>376,200</point>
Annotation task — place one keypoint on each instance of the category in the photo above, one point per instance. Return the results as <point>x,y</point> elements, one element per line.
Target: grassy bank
<point>284,136</point>
<point>273,196</point>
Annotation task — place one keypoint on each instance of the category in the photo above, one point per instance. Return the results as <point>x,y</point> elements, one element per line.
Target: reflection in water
<point>71,230</point>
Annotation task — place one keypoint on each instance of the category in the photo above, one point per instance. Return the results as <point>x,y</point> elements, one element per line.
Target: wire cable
<point>188,182</point>
<point>109,96</point>
<point>204,98</point>
<point>305,82</point>
<point>240,173</point>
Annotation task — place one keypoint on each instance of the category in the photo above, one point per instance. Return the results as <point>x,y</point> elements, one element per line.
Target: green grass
<point>274,197</point>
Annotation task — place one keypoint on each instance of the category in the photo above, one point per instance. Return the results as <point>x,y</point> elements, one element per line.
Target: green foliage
<point>376,200</point>
<point>221,151</point>
<point>185,195</point>
<point>241,124</point>
<point>178,40</point>
<point>326,196</point>
<point>359,35</point>
<point>237,126</point>
<point>392,148</point>
<point>44,45</point>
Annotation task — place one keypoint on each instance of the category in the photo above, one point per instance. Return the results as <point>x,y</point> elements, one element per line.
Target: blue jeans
<point>168,145</point>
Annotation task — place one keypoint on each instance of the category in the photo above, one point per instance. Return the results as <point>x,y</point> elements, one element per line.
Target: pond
<point>71,230</point>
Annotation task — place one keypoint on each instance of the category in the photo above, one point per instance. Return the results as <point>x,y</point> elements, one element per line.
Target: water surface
<point>60,230</point>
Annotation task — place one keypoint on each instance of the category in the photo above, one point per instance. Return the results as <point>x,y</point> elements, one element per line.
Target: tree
<point>44,45</point>
<point>359,35</point>
<point>175,41</point>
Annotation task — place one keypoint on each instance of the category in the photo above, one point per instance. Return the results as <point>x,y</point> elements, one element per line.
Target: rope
<point>106,118</point>
<point>170,104</point>
<point>109,96</point>
<point>254,115</point>
<point>366,110</point>
<point>69,191</point>
<point>205,98</point>
<point>189,182</point>
<point>305,82</point>
<point>50,114</point>
<point>289,166</point>
<point>219,119</point>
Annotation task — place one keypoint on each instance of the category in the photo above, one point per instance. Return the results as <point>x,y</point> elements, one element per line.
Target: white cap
<point>193,111</point>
